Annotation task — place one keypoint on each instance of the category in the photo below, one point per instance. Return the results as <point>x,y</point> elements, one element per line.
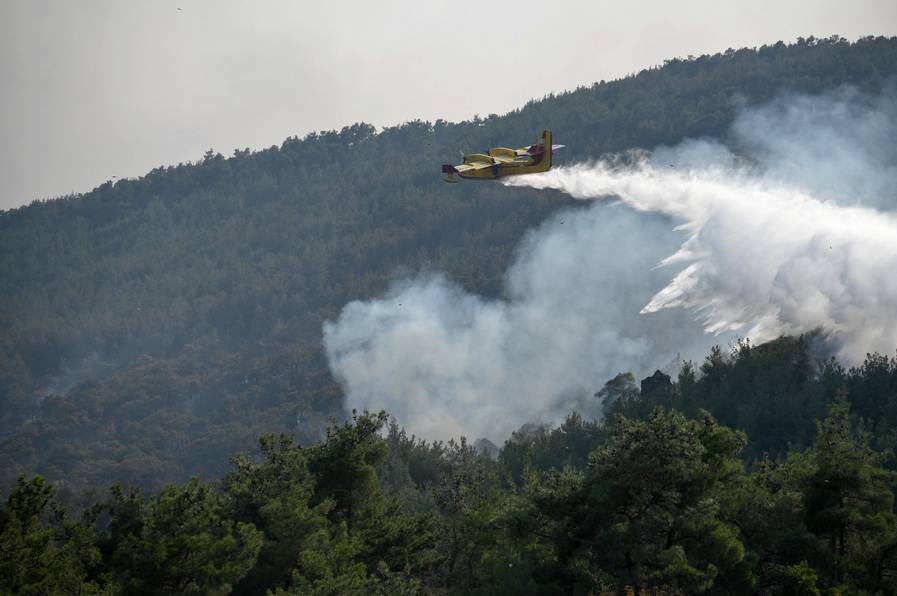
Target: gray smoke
<point>764,236</point>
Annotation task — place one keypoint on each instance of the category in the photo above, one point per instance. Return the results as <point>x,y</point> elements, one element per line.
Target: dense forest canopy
<point>154,326</point>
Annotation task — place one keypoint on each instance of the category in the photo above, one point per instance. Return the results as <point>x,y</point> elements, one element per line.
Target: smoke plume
<point>785,229</point>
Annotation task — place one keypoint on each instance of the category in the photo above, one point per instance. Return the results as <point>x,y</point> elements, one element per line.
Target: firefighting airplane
<point>500,162</point>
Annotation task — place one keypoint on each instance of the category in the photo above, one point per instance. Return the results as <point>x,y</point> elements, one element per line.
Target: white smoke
<point>841,146</point>
<point>448,364</point>
<point>778,243</point>
<point>762,237</point>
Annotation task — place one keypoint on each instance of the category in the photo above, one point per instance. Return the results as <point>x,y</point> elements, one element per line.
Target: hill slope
<point>154,323</point>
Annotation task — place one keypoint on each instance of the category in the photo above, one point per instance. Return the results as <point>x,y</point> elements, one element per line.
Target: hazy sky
<point>96,89</point>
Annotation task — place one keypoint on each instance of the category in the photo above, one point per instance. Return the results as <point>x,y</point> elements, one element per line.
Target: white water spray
<point>765,236</point>
<point>763,259</point>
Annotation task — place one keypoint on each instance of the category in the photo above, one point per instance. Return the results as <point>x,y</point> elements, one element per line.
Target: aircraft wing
<point>476,165</point>
<point>471,163</point>
<point>478,161</point>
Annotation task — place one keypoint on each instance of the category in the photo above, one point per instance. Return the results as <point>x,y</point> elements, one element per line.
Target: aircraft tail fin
<point>541,153</point>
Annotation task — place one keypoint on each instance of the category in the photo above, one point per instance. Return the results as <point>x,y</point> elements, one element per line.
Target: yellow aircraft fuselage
<point>500,162</point>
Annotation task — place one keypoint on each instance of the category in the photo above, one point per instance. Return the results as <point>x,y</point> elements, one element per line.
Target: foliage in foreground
<point>154,323</point>
<point>662,505</point>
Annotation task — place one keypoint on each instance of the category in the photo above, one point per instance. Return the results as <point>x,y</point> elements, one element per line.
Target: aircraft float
<point>500,162</point>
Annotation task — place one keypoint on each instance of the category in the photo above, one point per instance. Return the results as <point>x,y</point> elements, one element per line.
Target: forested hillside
<point>658,504</point>
<point>156,320</point>
<point>154,326</point>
